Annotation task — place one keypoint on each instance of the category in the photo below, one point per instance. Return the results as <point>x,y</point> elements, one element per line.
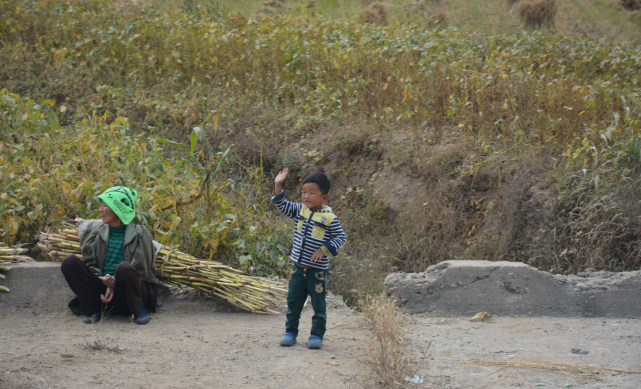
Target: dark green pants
<point>303,282</point>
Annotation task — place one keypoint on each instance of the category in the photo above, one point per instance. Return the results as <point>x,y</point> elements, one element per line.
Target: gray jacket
<point>138,249</point>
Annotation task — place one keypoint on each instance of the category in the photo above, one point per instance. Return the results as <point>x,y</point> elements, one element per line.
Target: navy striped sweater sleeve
<point>338,237</point>
<point>287,207</point>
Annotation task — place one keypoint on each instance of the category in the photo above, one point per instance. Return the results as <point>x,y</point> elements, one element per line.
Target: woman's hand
<point>108,280</point>
<point>278,181</point>
<point>109,294</point>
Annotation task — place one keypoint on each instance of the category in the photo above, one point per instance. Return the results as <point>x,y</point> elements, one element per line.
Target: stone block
<point>514,288</point>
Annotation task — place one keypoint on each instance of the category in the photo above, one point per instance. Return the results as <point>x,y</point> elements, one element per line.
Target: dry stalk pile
<point>173,267</point>
<point>537,14</point>
<point>9,256</point>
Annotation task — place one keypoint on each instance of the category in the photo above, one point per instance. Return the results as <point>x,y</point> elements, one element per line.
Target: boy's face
<point>313,198</point>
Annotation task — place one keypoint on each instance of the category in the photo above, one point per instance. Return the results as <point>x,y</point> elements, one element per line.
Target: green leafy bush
<point>52,173</point>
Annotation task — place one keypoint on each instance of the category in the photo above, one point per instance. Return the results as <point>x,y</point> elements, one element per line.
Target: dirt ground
<point>193,342</point>
<point>605,342</point>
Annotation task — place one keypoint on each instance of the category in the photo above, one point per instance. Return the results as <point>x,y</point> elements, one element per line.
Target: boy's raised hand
<point>278,181</point>
<point>282,175</point>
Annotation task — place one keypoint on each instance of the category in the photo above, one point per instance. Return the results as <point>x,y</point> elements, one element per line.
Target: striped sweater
<point>115,254</point>
<point>312,230</point>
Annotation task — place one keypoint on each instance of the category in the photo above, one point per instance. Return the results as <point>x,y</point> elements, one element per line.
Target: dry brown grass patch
<point>386,355</point>
<point>375,13</point>
<point>586,371</point>
<point>537,14</point>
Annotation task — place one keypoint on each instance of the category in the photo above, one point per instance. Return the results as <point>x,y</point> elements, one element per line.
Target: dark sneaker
<point>288,339</point>
<point>143,317</point>
<point>92,317</point>
<point>315,342</point>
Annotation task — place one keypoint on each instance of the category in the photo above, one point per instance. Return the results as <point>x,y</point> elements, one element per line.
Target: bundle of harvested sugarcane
<point>62,244</point>
<point>10,255</point>
<point>254,294</point>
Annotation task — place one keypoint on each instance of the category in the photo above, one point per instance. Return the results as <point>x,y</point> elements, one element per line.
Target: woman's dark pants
<point>129,291</point>
<point>303,282</point>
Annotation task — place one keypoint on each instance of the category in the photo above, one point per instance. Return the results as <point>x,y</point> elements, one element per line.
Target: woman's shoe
<point>92,317</point>
<point>143,316</point>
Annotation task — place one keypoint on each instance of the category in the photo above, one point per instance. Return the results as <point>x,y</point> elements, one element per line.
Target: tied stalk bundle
<point>9,255</point>
<point>62,244</point>
<point>253,294</point>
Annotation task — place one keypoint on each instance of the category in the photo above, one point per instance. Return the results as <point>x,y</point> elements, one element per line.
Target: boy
<point>317,233</point>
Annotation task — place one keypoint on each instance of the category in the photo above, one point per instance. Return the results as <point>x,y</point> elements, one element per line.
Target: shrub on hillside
<point>537,14</point>
<point>52,173</point>
<point>632,5</point>
<point>375,13</point>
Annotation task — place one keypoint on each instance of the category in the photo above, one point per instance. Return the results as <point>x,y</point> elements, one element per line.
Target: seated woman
<point>118,262</point>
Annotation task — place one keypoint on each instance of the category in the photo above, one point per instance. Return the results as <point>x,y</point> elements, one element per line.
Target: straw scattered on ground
<point>589,371</point>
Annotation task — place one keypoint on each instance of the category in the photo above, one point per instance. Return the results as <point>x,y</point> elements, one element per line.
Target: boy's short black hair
<point>321,180</point>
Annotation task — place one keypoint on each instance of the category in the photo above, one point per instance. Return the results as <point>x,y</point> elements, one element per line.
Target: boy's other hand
<point>318,255</point>
<point>282,175</point>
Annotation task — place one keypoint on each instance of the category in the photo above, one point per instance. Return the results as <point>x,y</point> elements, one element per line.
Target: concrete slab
<point>40,287</point>
<point>511,288</point>
<point>36,286</point>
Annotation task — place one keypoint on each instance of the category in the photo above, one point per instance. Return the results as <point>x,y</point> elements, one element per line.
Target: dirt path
<point>200,343</point>
<point>189,343</point>
<point>606,342</point>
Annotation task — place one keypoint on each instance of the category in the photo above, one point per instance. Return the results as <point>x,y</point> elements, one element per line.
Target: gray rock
<point>514,288</point>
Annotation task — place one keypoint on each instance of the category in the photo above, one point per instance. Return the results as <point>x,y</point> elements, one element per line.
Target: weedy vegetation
<point>441,143</point>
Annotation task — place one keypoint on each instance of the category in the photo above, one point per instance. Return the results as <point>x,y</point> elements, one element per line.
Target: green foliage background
<point>109,79</point>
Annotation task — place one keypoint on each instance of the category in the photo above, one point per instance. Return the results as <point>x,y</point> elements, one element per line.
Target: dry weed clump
<point>386,356</point>
<point>375,13</point>
<point>537,14</point>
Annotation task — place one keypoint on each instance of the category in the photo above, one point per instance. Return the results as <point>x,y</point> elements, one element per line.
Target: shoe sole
<point>286,343</point>
<point>143,320</point>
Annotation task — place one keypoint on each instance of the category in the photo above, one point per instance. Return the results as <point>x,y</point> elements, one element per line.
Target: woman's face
<point>109,217</point>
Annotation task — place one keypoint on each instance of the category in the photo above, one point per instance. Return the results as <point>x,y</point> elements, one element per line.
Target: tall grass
<point>167,70</point>
<point>596,18</point>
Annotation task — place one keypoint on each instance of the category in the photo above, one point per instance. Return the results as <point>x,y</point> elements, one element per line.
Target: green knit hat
<point>122,201</point>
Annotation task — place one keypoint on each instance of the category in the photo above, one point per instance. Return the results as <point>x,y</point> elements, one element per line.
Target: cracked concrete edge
<point>511,288</point>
